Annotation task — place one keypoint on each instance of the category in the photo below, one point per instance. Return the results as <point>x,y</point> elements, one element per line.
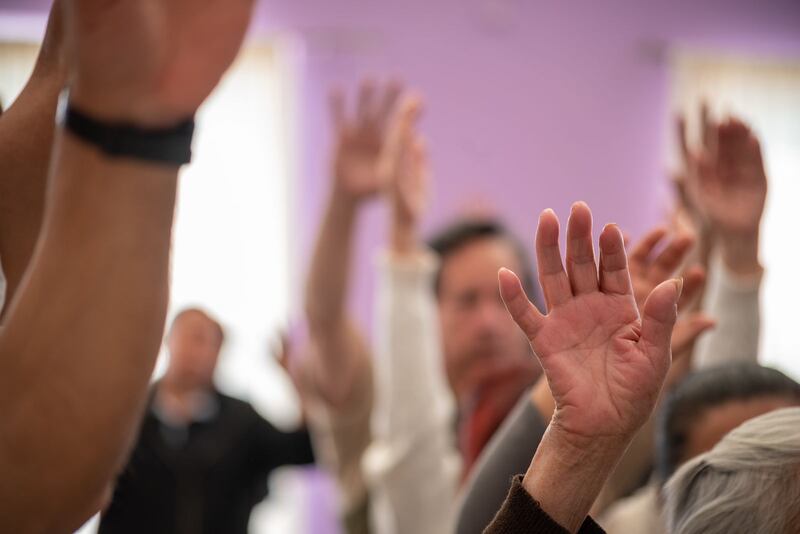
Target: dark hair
<point>188,311</point>
<point>461,233</point>
<point>707,389</point>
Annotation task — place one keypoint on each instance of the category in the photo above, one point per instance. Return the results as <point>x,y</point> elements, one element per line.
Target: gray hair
<point>749,482</point>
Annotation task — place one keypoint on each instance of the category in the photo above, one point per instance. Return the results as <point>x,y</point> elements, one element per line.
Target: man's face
<point>716,422</point>
<point>480,338</point>
<point>194,345</point>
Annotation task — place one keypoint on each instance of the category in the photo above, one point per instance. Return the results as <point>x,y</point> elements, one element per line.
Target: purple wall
<point>530,104</point>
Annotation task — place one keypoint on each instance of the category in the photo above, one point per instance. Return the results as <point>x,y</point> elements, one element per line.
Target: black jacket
<point>202,479</point>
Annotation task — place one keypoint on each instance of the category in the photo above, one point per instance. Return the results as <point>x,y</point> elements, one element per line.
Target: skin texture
<point>87,319</point>
<point>653,260</point>
<point>605,364</point>
<point>359,172</point>
<point>726,186</point>
<point>26,140</point>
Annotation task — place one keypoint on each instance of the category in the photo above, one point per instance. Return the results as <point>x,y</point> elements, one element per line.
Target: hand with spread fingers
<point>406,161</point>
<point>604,363</point>
<point>151,63</point>
<point>650,266</point>
<point>359,165</point>
<point>727,183</point>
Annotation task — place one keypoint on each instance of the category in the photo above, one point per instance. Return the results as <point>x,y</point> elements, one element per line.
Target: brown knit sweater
<point>521,514</point>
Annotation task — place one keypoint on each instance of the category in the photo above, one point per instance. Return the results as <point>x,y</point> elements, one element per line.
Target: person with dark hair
<point>651,262</point>
<point>432,309</point>
<point>488,363</point>
<point>695,416</point>
<point>707,404</point>
<point>464,231</point>
<point>747,483</point>
<point>202,459</point>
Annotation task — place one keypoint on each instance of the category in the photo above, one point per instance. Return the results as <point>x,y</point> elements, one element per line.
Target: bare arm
<point>26,139</point>
<point>728,184</point>
<point>82,337</point>
<point>341,352</point>
<point>83,331</point>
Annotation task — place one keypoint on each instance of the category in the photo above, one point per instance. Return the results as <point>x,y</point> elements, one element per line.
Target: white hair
<point>749,482</point>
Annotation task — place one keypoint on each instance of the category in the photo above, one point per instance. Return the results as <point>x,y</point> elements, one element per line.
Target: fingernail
<point>679,285</point>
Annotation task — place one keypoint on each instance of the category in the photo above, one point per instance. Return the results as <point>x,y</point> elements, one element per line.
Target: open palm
<point>725,176</point>
<point>361,140</point>
<point>152,61</point>
<point>406,162</point>
<point>605,365</point>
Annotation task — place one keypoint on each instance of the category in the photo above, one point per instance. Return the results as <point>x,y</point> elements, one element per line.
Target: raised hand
<point>406,163</point>
<point>648,269</point>
<point>407,159</point>
<point>604,363</point>
<point>727,182</point>
<point>359,166</point>
<point>151,62</point>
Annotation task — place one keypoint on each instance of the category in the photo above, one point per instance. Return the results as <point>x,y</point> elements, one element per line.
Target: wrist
<point>103,105</point>
<point>404,240</point>
<point>566,476</point>
<point>342,209</point>
<point>168,146</point>
<point>739,252</point>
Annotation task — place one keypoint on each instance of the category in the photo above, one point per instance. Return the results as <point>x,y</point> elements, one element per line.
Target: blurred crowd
<point>613,388</point>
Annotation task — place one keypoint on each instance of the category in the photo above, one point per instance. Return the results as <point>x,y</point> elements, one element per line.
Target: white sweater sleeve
<point>412,465</point>
<point>734,302</point>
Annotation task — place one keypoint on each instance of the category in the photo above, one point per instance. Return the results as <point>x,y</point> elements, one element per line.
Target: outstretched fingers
<point>552,277</point>
<point>694,281</point>
<point>581,266</point>
<point>658,320</point>
<point>640,254</point>
<point>670,259</point>
<point>614,275</point>
<point>365,108</point>
<point>524,313</point>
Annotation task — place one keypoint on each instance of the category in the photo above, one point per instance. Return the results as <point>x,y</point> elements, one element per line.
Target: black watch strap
<point>171,145</point>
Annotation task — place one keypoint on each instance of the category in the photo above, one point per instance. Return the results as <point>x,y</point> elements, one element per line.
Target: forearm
<point>739,253</point>
<point>26,139</point>
<point>404,237</point>
<point>329,275</point>
<point>565,479</point>
<point>340,350</point>
<point>83,334</point>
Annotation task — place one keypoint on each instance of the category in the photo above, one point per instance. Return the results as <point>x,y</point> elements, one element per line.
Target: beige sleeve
<point>734,303</point>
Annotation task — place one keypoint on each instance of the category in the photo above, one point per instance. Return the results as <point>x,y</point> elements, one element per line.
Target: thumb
<point>522,311</point>
<point>658,319</point>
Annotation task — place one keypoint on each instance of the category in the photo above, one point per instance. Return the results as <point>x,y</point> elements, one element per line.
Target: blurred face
<point>480,339</point>
<point>715,423</point>
<point>194,344</point>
